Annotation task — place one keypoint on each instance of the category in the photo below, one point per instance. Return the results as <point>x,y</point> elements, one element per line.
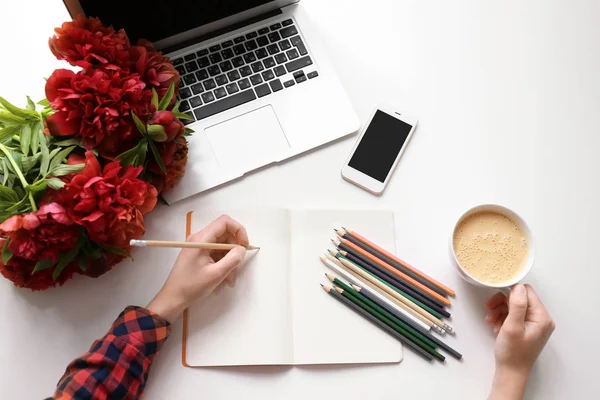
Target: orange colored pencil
<point>393,270</point>
<point>401,262</point>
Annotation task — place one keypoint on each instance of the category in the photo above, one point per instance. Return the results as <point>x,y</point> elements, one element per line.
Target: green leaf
<point>116,250</point>
<point>17,157</point>
<point>154,101</point>
<point>183,116</point>
<point>7,133</point>
<point>36,129</point>
<point>175,108</point>
<point>135,156</point>
<point>157,133</point>
<point>68,142</point>
<point>162,200</point>
<point>44,103</point>
<point>9,119</point>
<point>166,100</point>
<point>30,104</point>
<point>38,186</point>
<point>65,259</point>
<point>66,169</point>
<point>20,112</point>
<point>5,172</point>
<point>59,157</point>
<point>55,183</point>
<point>156,154</point>
<point>140,125</point>
<point>188,132</point>
<point>29,162</point>
<point>42,265</point>
<point>6,253</point>
<point>8,195</point>
<point>83,262</point>
<point>45,157</point>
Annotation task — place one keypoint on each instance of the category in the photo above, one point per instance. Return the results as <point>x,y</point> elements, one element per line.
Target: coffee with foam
<point>491,247</point>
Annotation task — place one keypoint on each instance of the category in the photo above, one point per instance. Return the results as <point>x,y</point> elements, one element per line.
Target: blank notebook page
<point>326,331</point>
<point>248,321</point>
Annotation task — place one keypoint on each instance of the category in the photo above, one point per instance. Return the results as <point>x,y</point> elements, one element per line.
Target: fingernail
<point>520,289</point>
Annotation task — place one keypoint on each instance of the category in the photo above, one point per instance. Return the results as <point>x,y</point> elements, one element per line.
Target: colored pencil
<point>188,245</point>
<point>377,322</point>
<point>426,333</point>
<point>409,304</point>
<point>400,310</point>
<point>395,271</point>
<point>407,291</point>
<point>390,323</point>
<point>396,260</point>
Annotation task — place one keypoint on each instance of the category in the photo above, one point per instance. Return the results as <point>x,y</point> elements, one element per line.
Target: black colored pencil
<point>398,283</point>
<point>377,322</point>
<point>390,310</point>
<point>394,264</point>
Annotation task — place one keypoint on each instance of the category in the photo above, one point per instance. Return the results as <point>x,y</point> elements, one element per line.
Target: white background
<point>507,94</point>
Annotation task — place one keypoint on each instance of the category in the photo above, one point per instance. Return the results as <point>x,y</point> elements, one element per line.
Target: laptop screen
<point>155,20</point>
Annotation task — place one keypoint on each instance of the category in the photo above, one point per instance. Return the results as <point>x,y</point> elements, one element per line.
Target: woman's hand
<point>197,272</point>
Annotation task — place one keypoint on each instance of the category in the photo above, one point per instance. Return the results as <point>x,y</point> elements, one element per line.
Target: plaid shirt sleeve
<point>116,366</point>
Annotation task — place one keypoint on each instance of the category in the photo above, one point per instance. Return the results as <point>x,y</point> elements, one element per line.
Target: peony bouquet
<point>81,168</point>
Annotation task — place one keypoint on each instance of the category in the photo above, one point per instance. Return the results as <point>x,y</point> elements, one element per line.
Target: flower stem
<point>14,165</point>
<point>32,201</point>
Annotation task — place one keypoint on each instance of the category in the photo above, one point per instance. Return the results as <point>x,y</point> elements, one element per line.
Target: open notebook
<point>274,312</point>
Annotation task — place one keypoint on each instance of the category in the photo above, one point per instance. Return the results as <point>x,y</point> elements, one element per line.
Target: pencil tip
<point>335,229</point>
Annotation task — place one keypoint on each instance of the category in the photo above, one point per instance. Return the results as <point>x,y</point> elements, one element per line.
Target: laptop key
<point>268,75</point>
<point>269,62</point>
<point>261,53</point>
<point>279,70</point>
<point>233,75</point>
<point>313,74</point>
<point>189,79</point>
<point>237,62</point>
<point>300,46</point>
<point>180,69</point>
<point>251,35</point>
<point>215,58</point>
<point>221,80</point>
<point>207,97</point>
<point>273,49</point>
<point>239,39</point>
<point>299,63</point>
<point>263,31</point>
<point>197,88</point>
<point>292,54</point>
<point>276,85</point>
<point>187,122</point>
<point>262,41</point>
<point>287,22</point>
<point>220,92</point>
<point>203,62</point>
<point>190,57</point>
<point>195,102</point>
<point>301,78</point>
<point>245,70</point>
<point>276,26</point>
<point>181,84</point>
<point>214,70</point>
<point>202,74</point>
<point>226,66</point>
<point>295,40</point>
<point>257,66</point>
<point>232,88</point>
<point>224,104</point>
<point>177,61</point>
<point>249,57</point>
<point>256,79</point>
<point>202,52</point>
<point>244,84</point>
<point>227,54</point>
<point>289,83</point>
<point>209,84</point>
<point>251,45</point>
<point>184,105</point>
<point>239,49</point>
<point>274,37</point>
<point>280,58</point>
<point>289,31</point>
<point>185,93</point>
<point>191,66</point>
<point>214,48</point>
<point>227,43</point>
<point>284,45</point>
<point>262,90</point>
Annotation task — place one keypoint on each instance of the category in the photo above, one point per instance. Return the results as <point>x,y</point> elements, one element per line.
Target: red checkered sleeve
<point>116,367</point>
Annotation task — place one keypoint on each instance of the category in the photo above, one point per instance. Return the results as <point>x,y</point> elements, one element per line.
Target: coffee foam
<point>491,247</point>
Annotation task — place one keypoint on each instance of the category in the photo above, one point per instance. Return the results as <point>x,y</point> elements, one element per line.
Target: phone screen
<point>380,145</point>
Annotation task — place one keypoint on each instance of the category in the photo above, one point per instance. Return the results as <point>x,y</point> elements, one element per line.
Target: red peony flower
<point>167,123</point>
<point>156,70</point>
<point>174,155</point>
<point>41,235</point>
<point>109,203</point>
<point>87,43</point>
<point>96,106</point>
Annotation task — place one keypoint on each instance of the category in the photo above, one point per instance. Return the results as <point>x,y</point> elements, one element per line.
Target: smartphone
<point>378,149</point>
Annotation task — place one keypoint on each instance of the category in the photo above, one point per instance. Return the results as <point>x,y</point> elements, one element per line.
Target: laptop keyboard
<point>242,69</point>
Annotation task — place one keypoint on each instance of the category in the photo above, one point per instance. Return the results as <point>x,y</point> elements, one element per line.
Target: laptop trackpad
<point>249,141</point>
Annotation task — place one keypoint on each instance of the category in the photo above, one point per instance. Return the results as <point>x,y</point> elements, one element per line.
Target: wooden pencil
<point>426,333</point>
<point>409,304</point>
<point>376,322</point>
<point>399,261</point>
<point>188,245</point>
<point>393,270</point>
<point>399,308</point>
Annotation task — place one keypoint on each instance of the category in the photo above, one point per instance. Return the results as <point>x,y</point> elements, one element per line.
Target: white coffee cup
<point>515,217</point>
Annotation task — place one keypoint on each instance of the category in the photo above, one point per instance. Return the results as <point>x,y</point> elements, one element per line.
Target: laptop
<point>255,78</point>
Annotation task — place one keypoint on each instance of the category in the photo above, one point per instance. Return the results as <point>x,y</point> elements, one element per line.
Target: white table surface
<point>507,94</point>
